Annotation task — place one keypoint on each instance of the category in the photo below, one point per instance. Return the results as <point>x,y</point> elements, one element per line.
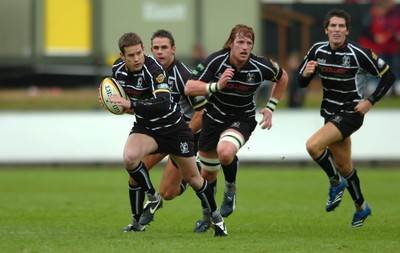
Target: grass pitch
<point>68,209</point>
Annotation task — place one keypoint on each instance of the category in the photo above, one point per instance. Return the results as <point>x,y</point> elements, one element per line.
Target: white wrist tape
<point>271,105</point>
<point>213,87</point>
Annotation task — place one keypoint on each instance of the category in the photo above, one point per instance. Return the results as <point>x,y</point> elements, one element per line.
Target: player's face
<point>337,32</point>
<point>241,48</point>
<point>163,51</point>
<point>134,57</point>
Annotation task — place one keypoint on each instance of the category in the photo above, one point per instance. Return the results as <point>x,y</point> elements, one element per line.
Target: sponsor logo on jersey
<point>140,83</point>
<point>201,67</point>
<point>374,56</point>
<point>276,66</point>
<point>237,86</point>
<point>198,69</point>
<point>160,78</point>
<point>381,63</point>
<point>134,93</point>
<point>333,70</point>
<point>346,61</point>
<point>250,77</point>
<point>163,86</point>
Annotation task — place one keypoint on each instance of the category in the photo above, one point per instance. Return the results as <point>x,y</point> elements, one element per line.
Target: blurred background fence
<point>44,41</point>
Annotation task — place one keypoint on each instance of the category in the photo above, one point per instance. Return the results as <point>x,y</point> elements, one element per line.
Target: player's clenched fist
<point>225,77</point>
<point>310,68</point>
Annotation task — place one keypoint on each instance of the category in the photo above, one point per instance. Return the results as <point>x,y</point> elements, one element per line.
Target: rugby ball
<point>108,87</point>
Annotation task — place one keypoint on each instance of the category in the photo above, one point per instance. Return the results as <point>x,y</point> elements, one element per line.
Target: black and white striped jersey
<point>343,74</point>
<point>236,100</point>
<point>150,94</point>
<point>178,74</point>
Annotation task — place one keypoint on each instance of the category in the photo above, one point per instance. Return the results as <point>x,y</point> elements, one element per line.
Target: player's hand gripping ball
<point>108,87</point>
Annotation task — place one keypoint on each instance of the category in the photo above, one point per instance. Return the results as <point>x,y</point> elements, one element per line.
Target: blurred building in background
<point>45,41</point>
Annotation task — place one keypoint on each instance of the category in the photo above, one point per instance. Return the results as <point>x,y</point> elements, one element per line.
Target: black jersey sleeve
<point>161,102</point>
<point>303,82</point>
<point>156,77</point>
<point>384,85</point>
<point>205,71</point>
<point>377,67</point>
<point>182,74</point>
<point>272,72</point>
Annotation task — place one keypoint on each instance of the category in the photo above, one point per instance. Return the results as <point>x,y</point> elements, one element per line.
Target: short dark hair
<point>163,34</point>
<point>337,13</point>
<point>127,40</point>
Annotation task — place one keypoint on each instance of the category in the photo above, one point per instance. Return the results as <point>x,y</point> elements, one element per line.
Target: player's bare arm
<point>200,88</point>
<point>195,88</point>
<point>279,88</point>
<point>277,92</point>
<point>196,121</point>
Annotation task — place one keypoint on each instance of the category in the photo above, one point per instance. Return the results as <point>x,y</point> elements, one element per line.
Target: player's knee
<point>229,144</point>
<point>312,147</point>
<point>130,161</point>
<point>225,152</point>
<point>226,156</point>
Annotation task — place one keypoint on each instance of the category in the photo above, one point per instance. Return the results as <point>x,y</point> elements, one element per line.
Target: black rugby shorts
<point>211,131</point>
<point>347,123</point>
<point>177,140</point>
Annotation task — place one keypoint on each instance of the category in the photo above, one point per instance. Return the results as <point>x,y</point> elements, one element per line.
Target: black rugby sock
<point>136,198</point>
<point>183,186</point>
<point>141,176</point>
<point>230,171</point>
<point>205,194</point>
<point>325,161</point>
<point>213,187</point>
<point>354,188</point>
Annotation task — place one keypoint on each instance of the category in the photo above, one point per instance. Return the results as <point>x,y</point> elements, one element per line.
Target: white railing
<point>99,137</point>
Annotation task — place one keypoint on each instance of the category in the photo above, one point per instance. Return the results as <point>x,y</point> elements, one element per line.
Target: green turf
<point>67,209</point>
